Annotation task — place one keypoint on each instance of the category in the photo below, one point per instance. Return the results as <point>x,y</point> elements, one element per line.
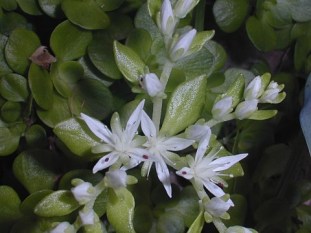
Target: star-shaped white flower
<point>207,170</point>
<point>160,150</point>
<point>123,145</point>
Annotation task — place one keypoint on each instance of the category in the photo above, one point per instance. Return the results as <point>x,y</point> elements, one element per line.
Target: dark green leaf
<point>14,87</point>
<point>29,6</point>
<point>11,21</point>
<point>11,111</point>
<point>230,14</point>
<point>30,202</point>
<point>86,14</point>
<point>109,5</point>
<point>4,68</point>
<point>171,222</point>
<point>8,5</point>
<point>20,46</point>
<point>8,141</point>
<point>36,136</point>
<point>36,169</point>
<point>69,42</point>
<point>140,41</point>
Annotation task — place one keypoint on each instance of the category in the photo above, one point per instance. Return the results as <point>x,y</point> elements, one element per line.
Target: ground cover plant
<point>155,116</point>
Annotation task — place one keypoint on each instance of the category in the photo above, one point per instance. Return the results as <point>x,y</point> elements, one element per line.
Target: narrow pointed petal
<point>115,124</point>
<point>177,144</point>
<point>185,172</point>
<point>213,188</point>
<point>201,149</point>
<point>226,162</point>
<point>98,128</point>
<point>105,161</point>
<point>217,206</point>
<point>134,120</point>
<point>147,125</point>
<point>164,176</point>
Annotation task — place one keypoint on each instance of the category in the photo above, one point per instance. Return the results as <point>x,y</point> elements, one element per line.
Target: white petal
<point>147,126</point>
<point>198,132</point>
<point>245,109</point>
<point>134,120</point>
<point>151,84</point>
<point>83,192</point>
<point>213,188</point>
<point>116,178</point>
<point>115,124</point>
<point>63,227</point>
<point>227,161</point>
<point>222,107</point>
<point>177,144</point>
<point>164,176</point>
<point>182,44</point>
<point>253,89</point>
<point>217,207</point>
<point>167,18</point>
<point>87,218</point>
<point>105,161</point>
<point>98,128</point>
<point>185,172</point>
<point>201,149</point>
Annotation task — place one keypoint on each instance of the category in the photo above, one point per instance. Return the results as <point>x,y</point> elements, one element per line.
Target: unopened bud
<point>182,45</point>
<point>245,109</point>
<point>151,84</point>
<point>253,89</point>
<point>222,108</point>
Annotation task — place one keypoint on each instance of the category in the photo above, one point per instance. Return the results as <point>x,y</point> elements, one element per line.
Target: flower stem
<point>157,101</point>
<point>219,225</point>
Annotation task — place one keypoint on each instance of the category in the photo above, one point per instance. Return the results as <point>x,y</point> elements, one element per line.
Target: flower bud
<point>245,109</point>
<point>222,108</point>
<point>217,207</point>
<point>151,84</point>
<point>183,7</point>
<point>253,89</point>
<point>167,19</point>
<point>87,217</point>
<point>83,193</point>
<point>63,227</point>
<point>116,179</point>
<point>238,229</point>
<point>272,93</point>
<point>182,45</point>
<point>198,132</point>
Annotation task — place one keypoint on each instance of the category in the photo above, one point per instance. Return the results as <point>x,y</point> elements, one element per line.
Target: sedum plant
<point>133,114</point>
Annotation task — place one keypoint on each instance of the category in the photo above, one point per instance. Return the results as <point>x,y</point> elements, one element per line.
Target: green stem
<point>219,225</point>
<point>157,101</point>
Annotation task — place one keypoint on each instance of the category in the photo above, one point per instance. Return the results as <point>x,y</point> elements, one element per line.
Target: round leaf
<point>41,86</point>
<point>86,14</point>
<point>28,205</point>
<point>184,106</point>
<point>101,54</point>
<point>69,42</point>
<point>36,169</point>
<point>51,7</point>
<point>8,5</point>
<point>109,5</point>
<point>129,63</point>
<point>8,141</point>
<point>92,98</point>
<point>262,35</point>
<point>4,68</point>
<point>58,112</point>
<point>170,222</point>
<point>13,87</point>
<point>21,44</point>
<point>11,111</point>
<point>230,14</point>
<point>36,136</point>
<point>58,203</point>
<point>9,202</point>
<point>140,41</point>
<point>76,136</point>
<point>11,21</point>
<point>29,6</point>
<point>120,210</point>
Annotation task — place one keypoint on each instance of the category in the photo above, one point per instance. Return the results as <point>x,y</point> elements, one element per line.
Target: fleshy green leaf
<point>184,106</point>
<point>29,203</point>
<point>230,14</point>
<point>76,136</point>
<point>92,98</point>
<point>13,87</point>
<point>263,114</point>
<point>86,14</point>
<point>170,222</point>
<point>120,210</point>
<point>20,46</point>
<point>197,224</point>
<point>9,202</point>
<point>101,54</point>
<point>8,5</point>
<point>261,34</point>
<point>129,63</point>
<point>11,111</point>
<point>69,42</point>
<point>29,6</point>
<point>58,203</point>
<point>41,86</point>
<point>4,68</point>
<point>109,5</point>
<point>36,136</point>
<point>8,141</point>
<point>11,21</point>
<point>36,169</point>
<point>140,41</point>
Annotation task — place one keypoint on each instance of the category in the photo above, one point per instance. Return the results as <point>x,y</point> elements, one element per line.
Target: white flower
<point>87,217</point>
<point>199,132</point>
<point>253,89</point>
<point>151,84</point>
<point>217,207</point>
<point>84,192</point>
<point>167,19</point>
<point>63,227</point>
<point>238,229</point>
<point>207,170</point>
<point>181,47</point>
<point>116,178</point>
<point>183,7</point>
<point>245,109</point>
<point>272,94</point>
<point>159,148</point>
<point>121,143</point>
<point>222,108</point>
